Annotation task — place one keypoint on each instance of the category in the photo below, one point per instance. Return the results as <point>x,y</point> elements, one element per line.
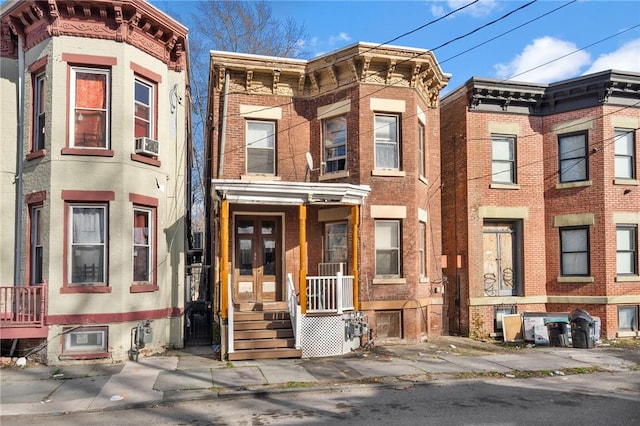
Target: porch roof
<point>289,193</point>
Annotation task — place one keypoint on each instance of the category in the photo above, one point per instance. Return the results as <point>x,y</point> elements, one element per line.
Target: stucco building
<point>94,119</point>
<point>540,203</point>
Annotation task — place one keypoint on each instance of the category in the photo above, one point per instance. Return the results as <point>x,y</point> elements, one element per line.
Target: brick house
<point>540,203</point>
<point>325,179</point>
<point>93,202</point>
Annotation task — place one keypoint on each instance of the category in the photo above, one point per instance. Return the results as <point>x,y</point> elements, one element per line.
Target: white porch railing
<point>330,294</point>
<point>295,313</point>
<point>230,310</point>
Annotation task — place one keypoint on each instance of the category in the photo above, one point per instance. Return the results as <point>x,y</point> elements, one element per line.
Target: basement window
<point>85,342</point>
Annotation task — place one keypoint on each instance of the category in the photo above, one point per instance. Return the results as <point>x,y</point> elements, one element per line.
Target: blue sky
<point>582,37</point>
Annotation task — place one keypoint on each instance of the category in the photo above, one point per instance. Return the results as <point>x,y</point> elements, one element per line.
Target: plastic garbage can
<point>558,335</point>
<point>583,334</point>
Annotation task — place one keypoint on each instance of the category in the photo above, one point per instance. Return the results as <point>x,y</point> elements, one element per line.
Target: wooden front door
<point>257,259</point>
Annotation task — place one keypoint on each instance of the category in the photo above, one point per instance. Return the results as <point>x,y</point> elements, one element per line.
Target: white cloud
<point>337,38</point>
<point>480,9</point>
<point>545,60</point>
<point>626,58</point>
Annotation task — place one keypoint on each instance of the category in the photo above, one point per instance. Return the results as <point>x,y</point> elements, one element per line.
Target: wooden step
<point>265,354</point>
<point>260,316</point>
<point>262,325</point>
<point>260,307</point>
<point>284,333</point>
<point>263,344</point>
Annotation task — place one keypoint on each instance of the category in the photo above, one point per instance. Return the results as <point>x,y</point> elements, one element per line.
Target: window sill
<point>92,152</point>
<point>627,279</point>
<point>77,289</point>
<point>627,334</point>
<point>423,180</point>
<point>504,186</point>
<point>424,280</point>
<point>146,160</point>
<point>334,175</point>
<point>569,185</point>
<point>625,181</point>
<point>88,355</point>
<point>388,173</point>
<point>389,281</point>
<point>36,154</point>
<point>143,288</point>
<point>567,279</point>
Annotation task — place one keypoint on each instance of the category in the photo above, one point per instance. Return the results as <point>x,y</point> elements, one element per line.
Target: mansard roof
<point>359,63</point>
<point>135,22</point>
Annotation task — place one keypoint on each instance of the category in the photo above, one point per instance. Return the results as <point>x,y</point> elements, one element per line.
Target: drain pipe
<point>17,261</point>
<point>223,126</point>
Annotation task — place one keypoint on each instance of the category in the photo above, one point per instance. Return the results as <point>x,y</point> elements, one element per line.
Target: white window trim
<point>396,142</point>
<point>39,116</point>
<point>150,243</point>
<point>398,248</point>
<point>152,104</point>
<point>105,245</point>
<point>69,348</point>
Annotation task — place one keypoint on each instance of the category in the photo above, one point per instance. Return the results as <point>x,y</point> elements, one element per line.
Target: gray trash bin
<point>583,329</point>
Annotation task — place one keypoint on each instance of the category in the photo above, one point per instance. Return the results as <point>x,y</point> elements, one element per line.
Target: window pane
<point>91,90</point>
<point>574,240</point>
<point>260,161</point>
<point>260,134</point>
<point>624,142</point>
<point>627,318</point>
<point>573,170</point>
<point>501,172</point>
<point>624,167</point>
<point>624,263</point>
<point>572,146</point>
<point>502,149</point>
<point>387,262</point>
<point>624,238</point>
<point>142,245</point>
<point>574,264</point>
<point>386,157</point>
<point>385,128</point>
<point>336,243</point>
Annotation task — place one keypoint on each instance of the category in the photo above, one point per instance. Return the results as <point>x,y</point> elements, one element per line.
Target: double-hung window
<point>422,252</point>
<point>574,251</point>
<point>334,132</point>
<point>503,159</point>
<point>88,244</point>
<point>261,147</point>
<point>143,108</point>
<point>625,154</point>
<point>142,245</point>
<point>387,244</point>
<point>573,157</point>
<point>626,250</point>
<point>90,110</point>
<point>39,105</point>
<point>387,141</point>
<point>627,318</point>
<point>36,245</point>
<point>421,155</point>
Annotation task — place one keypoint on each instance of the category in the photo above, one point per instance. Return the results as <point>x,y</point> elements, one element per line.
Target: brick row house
<point>321,169</point>
<point>94,178</point>
<point>540,202</point>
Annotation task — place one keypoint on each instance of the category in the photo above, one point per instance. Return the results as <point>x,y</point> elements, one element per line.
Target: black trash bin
<point>583,329</point>
<point>558,334</point>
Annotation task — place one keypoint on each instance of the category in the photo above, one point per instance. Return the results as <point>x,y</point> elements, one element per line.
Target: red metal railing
<point>23,306</point>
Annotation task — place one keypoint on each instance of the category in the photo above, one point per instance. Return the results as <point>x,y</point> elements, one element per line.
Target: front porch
<point>22,312</point>
<point>264,230</point>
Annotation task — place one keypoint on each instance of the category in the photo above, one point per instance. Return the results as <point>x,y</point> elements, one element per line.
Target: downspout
<point>17,261</point>
<point>223,126</point>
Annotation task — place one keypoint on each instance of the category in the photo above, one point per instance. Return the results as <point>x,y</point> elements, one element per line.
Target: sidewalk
<point>195,373</point>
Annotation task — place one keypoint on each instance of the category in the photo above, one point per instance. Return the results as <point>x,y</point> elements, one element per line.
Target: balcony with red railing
<point>22,312</point>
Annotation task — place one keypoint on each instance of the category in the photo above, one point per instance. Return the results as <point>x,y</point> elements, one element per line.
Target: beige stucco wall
<point>8,137</point>
<point>57,172</point>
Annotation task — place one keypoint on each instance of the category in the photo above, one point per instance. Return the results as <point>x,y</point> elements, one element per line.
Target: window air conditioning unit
<point>146,146</point>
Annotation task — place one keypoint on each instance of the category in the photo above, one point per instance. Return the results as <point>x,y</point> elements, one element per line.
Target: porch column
<point>355,224</point>
<point>224,258</point>
<point>302,232</point>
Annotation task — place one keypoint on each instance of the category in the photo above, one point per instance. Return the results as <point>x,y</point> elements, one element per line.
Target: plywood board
<point>512,328</point>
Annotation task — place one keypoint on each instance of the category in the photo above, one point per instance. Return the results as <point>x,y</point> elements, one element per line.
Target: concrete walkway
<point>197,374</point>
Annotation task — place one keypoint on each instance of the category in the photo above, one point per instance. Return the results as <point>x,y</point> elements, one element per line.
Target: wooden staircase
<point>262,331</point>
